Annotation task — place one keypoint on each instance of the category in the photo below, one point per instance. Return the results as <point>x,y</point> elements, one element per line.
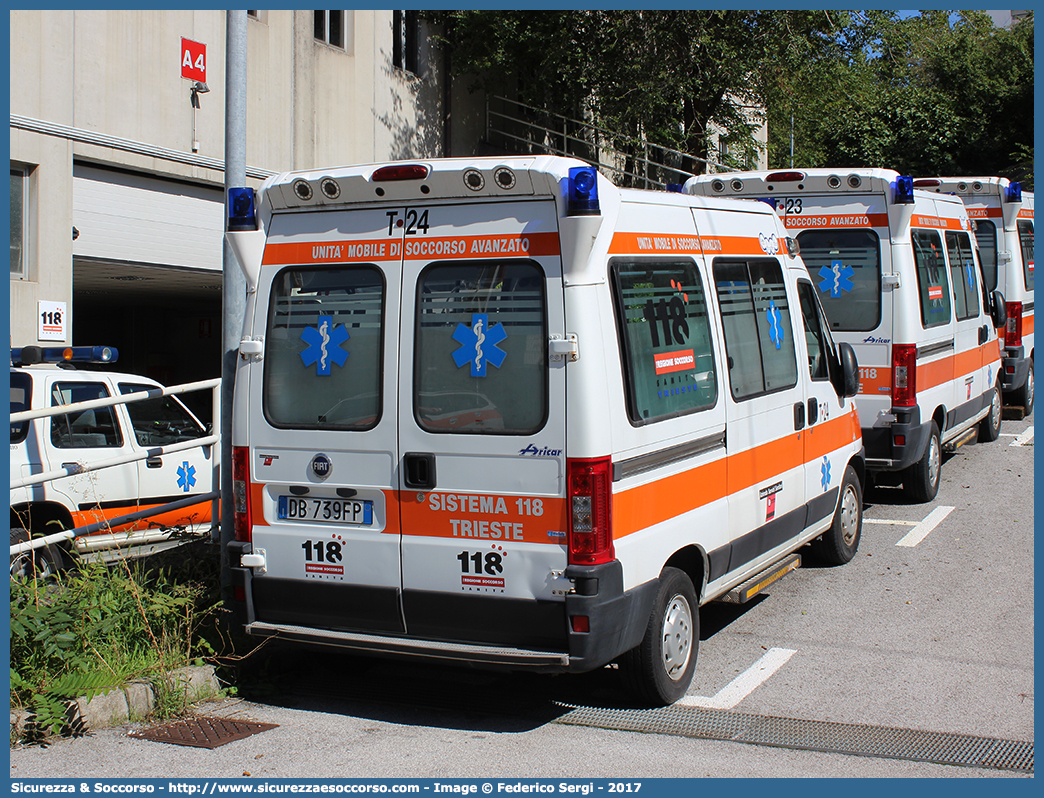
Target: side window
<point>962,270</point>
<point>932,284</point>
<point>21,399</point>
<point>986,241</point>
<point>817,340</point>
<point>323,348</point>
<point>661,311</point>
<point>759,340</point>
<point>846,266</point>
<point>83,429</point>
<point>161,420</point>
<point>1026,244</point>
<point>480,356</point>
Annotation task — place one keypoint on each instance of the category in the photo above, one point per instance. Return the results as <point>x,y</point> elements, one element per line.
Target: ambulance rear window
<point>480,359</point>
<point>962,270</point>
<point>845,266</point>
<point>322,366</point>
<point>932,283</point>
<point>986,241</point>
<point>665,332</point>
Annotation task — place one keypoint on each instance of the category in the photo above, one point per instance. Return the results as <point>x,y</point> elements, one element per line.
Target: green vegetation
<point>92,627</point>
<point>936,93</point>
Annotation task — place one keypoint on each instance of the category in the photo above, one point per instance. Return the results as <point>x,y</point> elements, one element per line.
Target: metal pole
<point>791,141</point>
<point>233,286</point>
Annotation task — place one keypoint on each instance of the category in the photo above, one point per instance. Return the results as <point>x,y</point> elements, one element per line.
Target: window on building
<point>330,27</point>
<point>406,41</point>
<point>19,193</point>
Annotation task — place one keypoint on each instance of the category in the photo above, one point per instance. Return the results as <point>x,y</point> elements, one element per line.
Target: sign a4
<point>193,60</point>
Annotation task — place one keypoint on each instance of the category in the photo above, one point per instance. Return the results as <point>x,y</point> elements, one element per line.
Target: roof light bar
<point>241,215</point>
<point>904,189</point>
<point>582,192</point>
<point>28,355</point>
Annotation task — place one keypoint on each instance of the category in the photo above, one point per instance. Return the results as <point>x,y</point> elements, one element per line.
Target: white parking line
<point>920,532</point>
<point>1024,439</point>
<point>744,684</point>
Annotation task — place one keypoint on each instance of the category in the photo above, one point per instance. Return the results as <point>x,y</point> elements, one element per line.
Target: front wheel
<point>838,544</point>
<point>921,480</point>
<point>659,669</point>
<point>989,427</point>
<point>42,563</point>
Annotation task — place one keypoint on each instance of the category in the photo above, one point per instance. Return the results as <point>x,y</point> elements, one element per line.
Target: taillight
<point>904,375</point>
<point>590,511</point>
<point>241,492</point>
<point>1013,330</point>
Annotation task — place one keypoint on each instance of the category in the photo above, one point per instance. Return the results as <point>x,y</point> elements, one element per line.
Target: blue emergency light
<point>904,190</point>
<point>582,192</point>
<point>674,188</point>
<point>1013,193</point>
<point>27,355</point>
<point>241,209</point>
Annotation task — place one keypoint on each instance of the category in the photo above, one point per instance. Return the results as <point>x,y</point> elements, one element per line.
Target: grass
<point>95,627</point>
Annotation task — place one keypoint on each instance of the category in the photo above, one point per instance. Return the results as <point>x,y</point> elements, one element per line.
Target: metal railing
<point>654,166</point>
<point>72,469</point>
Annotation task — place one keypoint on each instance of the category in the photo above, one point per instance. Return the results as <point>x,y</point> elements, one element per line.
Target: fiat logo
<point>321,466</point>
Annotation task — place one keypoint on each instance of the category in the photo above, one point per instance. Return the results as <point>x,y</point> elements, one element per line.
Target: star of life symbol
<point>478,344</point>
<point>969,274</point>
<point>186,476</point>
<point>825,470</point>
<point>775,325</point>
<point>836,278</point>
<point>324,345</point>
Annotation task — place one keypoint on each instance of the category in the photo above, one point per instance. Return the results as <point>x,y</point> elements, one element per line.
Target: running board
<point>749,589</point>
<point>428,649</point>
<point>960,440</point>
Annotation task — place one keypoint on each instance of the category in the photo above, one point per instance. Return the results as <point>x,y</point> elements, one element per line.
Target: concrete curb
<point>134,701</point>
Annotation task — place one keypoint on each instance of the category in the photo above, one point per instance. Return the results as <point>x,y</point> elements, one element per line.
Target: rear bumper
<point>529,635</point>
<point>884,452</point>
<point>1015,369</point>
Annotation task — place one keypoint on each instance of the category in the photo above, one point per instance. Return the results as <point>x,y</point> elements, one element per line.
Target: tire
<point>989,427</point>
<point>1024,395</point>
<point>43,563</point>
<point>921,480</point>
<point>659,670</point>
<point>838,544</point>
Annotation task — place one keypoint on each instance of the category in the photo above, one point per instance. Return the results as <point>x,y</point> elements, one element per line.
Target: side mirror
<point>999,310</point>
<point>849,370</point>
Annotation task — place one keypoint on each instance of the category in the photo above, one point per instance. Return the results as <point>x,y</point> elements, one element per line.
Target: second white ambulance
<point>503,413</point>
<point>899,278</point>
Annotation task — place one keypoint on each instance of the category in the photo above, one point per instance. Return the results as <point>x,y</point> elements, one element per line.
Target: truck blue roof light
<point>27,355</point>
<point>770,201</point>
<point>904,190</point>
<point>582,192</point>
<point>674,188</point>
<point>241,214</point>
<point>1013,193</point>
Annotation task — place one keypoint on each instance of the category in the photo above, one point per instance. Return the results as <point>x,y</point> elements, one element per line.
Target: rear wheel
<point>44,562</point>
<point>921,480</point>
<point>838,544</point>
<point>989,427</point>
<point>659,669</point>
<point>1024,394</point>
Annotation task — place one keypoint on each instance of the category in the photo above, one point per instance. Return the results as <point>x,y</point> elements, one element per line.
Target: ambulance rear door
<point>481,415</point>
<point>323,448</point>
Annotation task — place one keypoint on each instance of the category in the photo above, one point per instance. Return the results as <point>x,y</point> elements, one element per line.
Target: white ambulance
<point>500,412</point>
<point>1001,214</point>
<point>898,276</point>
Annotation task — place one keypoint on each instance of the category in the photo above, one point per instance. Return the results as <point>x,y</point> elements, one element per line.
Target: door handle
<point>799,416</point>
<point>984,334</point>
<point>154,462</point>
<point>813,411</point>
<point>418,470</point>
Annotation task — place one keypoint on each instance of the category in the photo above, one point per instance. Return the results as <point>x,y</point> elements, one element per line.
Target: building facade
<point>117,152</point>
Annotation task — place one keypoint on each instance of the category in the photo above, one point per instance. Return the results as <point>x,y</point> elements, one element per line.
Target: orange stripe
<point>1026,213</point>
<point>1027,324</point>
<point>984,213</point>
<point>655,502</point>
<point>664,244</point>
<point>954,367</point>
<point>937,222</point>
<point>834,220</point>
<point>194,515</point>
<point>361,251</point>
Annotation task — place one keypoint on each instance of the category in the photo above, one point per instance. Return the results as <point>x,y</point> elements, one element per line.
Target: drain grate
<point>203,732</point>
<point>814,735</point>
